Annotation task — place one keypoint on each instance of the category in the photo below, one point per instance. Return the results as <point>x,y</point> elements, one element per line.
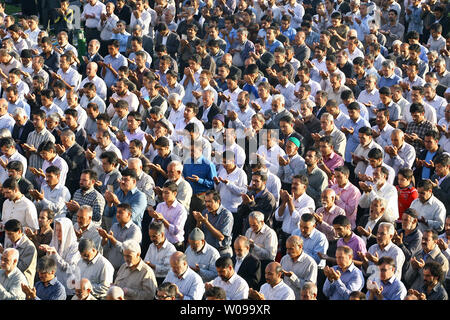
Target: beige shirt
<point>140,282</point>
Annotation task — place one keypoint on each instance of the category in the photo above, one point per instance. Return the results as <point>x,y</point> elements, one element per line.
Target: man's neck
<point>310,168</point>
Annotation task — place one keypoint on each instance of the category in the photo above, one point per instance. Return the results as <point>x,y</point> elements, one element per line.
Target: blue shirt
<point>136,199</point>
<point>232,35</point>
<point>205,170</point>
<point>393,289</point>
<point>275,44</point>
<point>223,222</point>
<point>388,82</point>
<point>351,280</point>
<point>116,63</point>
<point>316,242</point>
<point>290,33</point>
<point>54,291</point>
<point>426,172</point>
<point>123,39</point>
<point>353,139</point>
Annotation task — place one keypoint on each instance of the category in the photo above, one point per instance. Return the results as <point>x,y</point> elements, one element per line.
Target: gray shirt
<point>206,260</point>
<point>318,181</point>
<point>265,243</point>
<point>303,269</point>
<point>405,158</point>
<point>100,273</point>
<point>338,140</point>
<point>114,252</point>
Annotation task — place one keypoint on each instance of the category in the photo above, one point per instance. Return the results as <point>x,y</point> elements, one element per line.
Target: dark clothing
<point>442,192</point>
<point>362,222</point>
<point>250,270</point>
<point>422,156</point>
<point>308,127</point>
<point>124,13</point>
<point>51,63</point>
<point>412,243</point>
<point>264,202</point>
<point>76,161</point>
<point>213,111</point>
<point>20,135</point>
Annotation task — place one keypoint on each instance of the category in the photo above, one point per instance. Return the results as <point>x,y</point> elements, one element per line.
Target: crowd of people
<point>225,149</point>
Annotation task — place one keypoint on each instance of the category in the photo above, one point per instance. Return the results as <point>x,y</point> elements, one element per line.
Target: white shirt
<point>16,156</point>
<point>96,10</point>
<point>430,113</point>
<point>391,177</point>
<point>239,261</point>
<point>271,156</point>
<point>71,76</point>
<point>160,258</point>
<point>439,104</point>
<point>143,21</point>
<point>302,204</point>
<point>387,192</point>
<point>230,193</point>
<point>372,97</point>
<point>236,288</point>
<point>354,54</point>
<point>100,85</point>
<point>280,292</point>
<point>107,26</point>
<point>130,97</point>
<point>265,105</point>
<point>433,211</point>
<point>22,210</point>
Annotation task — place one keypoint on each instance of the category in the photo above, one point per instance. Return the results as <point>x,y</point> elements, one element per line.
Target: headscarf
<point>69,237</point>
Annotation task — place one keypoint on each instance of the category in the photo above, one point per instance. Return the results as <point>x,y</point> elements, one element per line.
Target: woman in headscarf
<point>64,247</point>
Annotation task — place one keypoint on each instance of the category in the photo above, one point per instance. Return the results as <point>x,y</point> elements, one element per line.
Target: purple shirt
<point>176,215</point>
<point>124,147</point>
<point>356,243</point>
<point>334,161</point>
<point>348,200</point>
<point>326,226</point>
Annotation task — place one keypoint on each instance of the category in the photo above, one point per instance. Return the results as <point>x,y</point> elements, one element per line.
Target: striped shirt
<point>35,139</point>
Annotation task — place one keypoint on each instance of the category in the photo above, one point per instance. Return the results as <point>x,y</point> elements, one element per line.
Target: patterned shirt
<point>420,129</point>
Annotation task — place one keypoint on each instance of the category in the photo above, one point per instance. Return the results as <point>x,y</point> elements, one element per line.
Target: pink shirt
<point>332,163</point>
<point>348,200</point>
<point>326,226</point>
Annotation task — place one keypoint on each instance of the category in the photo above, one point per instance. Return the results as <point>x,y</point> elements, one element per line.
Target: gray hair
<point>279,97</point>
<point>295,240</point>
<point>5,133</point>
<point>20,112</point>
<point>115,292</point>
<point>54,116</point>
<point>131,245</point>
<point>178,165</point>
<point>86,284</point>
<point>310,286</point>
<point>243,239</point>
<point>387,225</point>
<point>258,215</point>
<point>96,42</point>
<point>86,208</point>
<point>327,116</point>
<point>382,201</point>
<point>388,64</point>
<point>174,96</point>
<point>136,160</point>
<point>15,253</point>
<point>68,133</point>
<point>372,77</point>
